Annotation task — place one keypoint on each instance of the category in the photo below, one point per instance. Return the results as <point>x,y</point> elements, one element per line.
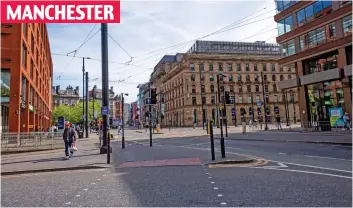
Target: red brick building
<point>26,77</point>
<point>316,39</point>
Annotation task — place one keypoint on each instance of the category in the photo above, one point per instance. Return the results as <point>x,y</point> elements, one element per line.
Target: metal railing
<point>30,141</point>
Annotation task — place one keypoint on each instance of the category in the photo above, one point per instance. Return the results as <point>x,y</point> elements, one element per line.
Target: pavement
<point>177,172</point>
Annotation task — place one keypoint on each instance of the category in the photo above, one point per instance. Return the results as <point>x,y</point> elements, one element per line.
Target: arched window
<point>273,77</point>
<point>193,77</point>
<point>248,78</point>
<point>193,88</point>
<point>289,76</point>
<point>281,78</point>
<point>212,88</point>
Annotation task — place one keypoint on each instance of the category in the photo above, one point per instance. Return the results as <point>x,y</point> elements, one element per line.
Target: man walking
<point>278,119</point>
<point>68,137</point>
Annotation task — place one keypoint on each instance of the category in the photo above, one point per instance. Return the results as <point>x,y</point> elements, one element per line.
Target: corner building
<point>26,75</point>
<point>316,37</point>
<point>189,85</point>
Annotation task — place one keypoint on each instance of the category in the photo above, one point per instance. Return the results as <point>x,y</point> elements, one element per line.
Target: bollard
<point>212,140</point>
<point>243,129</point>
<point>208,128</point>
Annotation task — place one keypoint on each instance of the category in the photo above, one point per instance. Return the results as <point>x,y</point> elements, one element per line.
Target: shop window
<point>347,25</point>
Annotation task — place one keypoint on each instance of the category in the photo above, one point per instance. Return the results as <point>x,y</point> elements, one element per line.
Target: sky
<point>147,26</point>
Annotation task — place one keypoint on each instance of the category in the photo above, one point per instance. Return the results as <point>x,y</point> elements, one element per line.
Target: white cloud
<point>151,25</point>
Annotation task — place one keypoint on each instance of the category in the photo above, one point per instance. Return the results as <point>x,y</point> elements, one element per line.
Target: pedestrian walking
<point>347,122</point>
<point>68,137</point>
<point>278,119</point>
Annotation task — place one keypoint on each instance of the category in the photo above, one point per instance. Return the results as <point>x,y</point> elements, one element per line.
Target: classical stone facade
<point>193,80</point>
<point>70,96</point>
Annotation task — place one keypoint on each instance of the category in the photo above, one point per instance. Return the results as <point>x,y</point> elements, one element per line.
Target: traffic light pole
<point>235,112</point>
<point>265,104</point>
<point>223,152</point>
<point>225,113</point>
<point>86,118</point>
<point>122,120</point>
<point>150,116</point>
<point>252,107</point>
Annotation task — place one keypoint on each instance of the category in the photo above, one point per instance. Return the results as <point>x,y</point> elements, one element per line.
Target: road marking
<point>86,189</point>
<point>207,173</point>
<point>219,195</point>
<point>281,165</point>
<point>332,158</point>
<point>98,179</point>
<point>281,153</point>
<point>189,145</point>
<point>215,188</point>
<point>310,166</point>
<point>223,203</point>
<point>210,177</point>
<point>93,183</point>
<point>212,182</point>
<point>104,175</point>
<point>303,171</point>
<point>68,203</point>
<point>78,195</point>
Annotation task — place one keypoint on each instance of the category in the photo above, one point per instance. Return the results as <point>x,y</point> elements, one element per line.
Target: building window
<point>231,88</point>
<point>285,25</point>
<point>231,99</point>
<point>257,89</point>
<point>256,78</point>
<point>343,3</point>
<point>273,67</point>
<point>320,35</point>
<point>239,77</point>
<point>275,98</point>
<point>265,77</point>
<point>194,101</point>
<point>204,100</point>
<point>193,89</point>
<point>220,66</point>
<point>201,67</point>
<point>23,88</point>
<point>347,25</point>
<point>257,98</point>
<point>247,68</point>
<point>266,88</point>
<point>211,78</point>
<point>249,99</point>
<point>274,86</point>
<point>212,99</point>
<point>301,17</point>
<point>238,67</point>
<point>264,68</point>
<point>202,88</point>
<point>248,88</point>
<point>309,13</point>
<point>312,39</point>
<point>240,89</point>
<point>331,31</point>
<point>212,88</point>
<point>274,77</point>
<point>240,99</point>
<point>230,67</point>
<point>267,99</point>
<point>5,85</point>
<point>24,30</point>
<point>210,67</point>
<point>255,67</point>
<point>192,67</point>
<point>289,76</point>
<point>281,77</point>
<point>24,55</point>
<point>193,77</point>
<point>202,77</point>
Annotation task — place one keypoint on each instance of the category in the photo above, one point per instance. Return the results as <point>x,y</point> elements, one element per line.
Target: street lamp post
<point>94,96</point>
<point>122,119</point>
<point>265,103</point>
<point>86,117</point>
<point>83,91</point>
<point>223,152</point>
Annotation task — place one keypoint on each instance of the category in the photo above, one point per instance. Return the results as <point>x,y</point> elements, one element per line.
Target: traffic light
<point>227,97</point>
<point>153,96</point>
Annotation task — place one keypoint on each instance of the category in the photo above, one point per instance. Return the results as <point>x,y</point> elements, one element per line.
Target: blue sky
<point>147,26</point>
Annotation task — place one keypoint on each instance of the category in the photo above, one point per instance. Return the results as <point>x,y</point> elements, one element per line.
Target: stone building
<point>316,37</point>
<point>69,96</point>
<point>188,85</point>
<point>98,97</point>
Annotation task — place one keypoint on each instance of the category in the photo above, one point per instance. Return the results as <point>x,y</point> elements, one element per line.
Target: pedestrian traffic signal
<point>153,96</point>
<point>227,97</point>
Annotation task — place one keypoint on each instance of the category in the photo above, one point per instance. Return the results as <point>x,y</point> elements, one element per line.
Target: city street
<point>174,172</point>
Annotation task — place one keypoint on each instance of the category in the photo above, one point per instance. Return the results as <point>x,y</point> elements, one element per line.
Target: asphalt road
<point>297,174</point>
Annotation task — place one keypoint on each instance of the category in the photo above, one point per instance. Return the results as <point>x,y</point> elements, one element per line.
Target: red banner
<point>13,11</point>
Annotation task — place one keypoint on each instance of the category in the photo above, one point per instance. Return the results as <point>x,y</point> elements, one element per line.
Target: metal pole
<point>122,126</point>
<point>263,94</point>
<point>93,94</point>
<point>202,106</point>
<point>286,106</point>
<point>150,117</point>
<point>252,107</point>
<point>86,123</point>
<point>235,114</point>
<point>225,113</point>
<point>212,141</point>
<point>217,109</point>
<point>83,93</point>
<point>105,88</point>
<point>222,138</point>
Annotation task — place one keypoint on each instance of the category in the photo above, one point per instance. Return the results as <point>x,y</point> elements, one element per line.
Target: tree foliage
<point>74,113</point>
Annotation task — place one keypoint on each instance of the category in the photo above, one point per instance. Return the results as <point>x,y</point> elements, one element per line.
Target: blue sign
<point>148,101</point>
<point>104,110</point>
<point>233,111</point>
<point>276,110</point>
<point>259,103</point>
<point>61,122</point>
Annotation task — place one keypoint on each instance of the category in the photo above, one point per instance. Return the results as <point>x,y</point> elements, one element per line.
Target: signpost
<point>104,110</point>
<point>148,101</point>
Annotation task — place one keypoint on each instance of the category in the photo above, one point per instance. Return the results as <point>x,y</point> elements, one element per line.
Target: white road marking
<point>281,165</point>
<point>303,171</point>
<point>210,177</point>
<point>212,182</point>
<point>104,175</point>
<point>86,189</point>
<point>93,183</point>
<point>223,203</point>
<point>281,153</point>
<point>219,195</point>
<point>207,173</point>
<point>98,179</point>
<point>189,145</point>
<point>215,188</point>
<point>68,203</point>
<point>310,166</point>
<point>331,158</point>
<point>78,195</point>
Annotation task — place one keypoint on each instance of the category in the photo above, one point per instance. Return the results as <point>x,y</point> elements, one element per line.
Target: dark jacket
<point>70,134</point>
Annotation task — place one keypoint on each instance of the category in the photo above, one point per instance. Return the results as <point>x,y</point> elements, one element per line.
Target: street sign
<point>148,101</point>
<point>104,110</point>
<point>258,103</point>
<point>276,110</point>
<point>83,117</point>
<point>233,112</point>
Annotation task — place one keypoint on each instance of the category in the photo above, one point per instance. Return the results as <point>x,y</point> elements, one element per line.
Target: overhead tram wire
<point>121,47</point>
